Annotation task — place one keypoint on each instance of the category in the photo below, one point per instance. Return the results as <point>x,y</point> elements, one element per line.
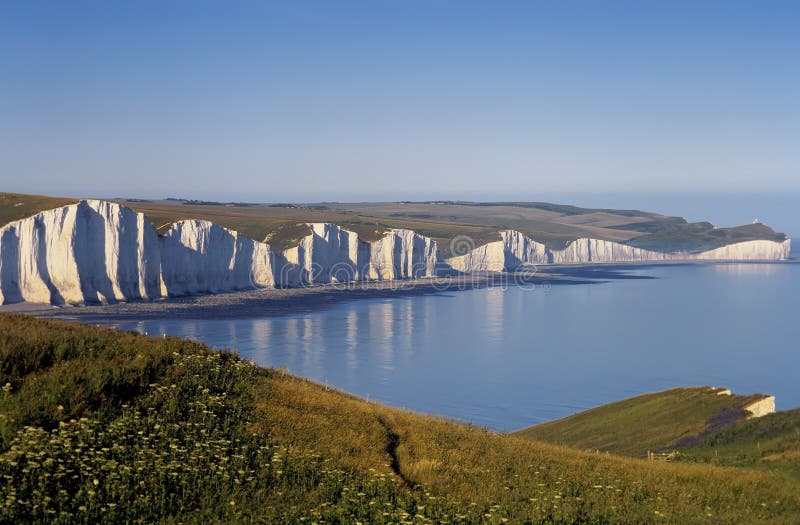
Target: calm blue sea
<point>508,358</point>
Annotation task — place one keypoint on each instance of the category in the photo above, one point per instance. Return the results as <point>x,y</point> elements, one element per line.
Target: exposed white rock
<point>89,252</point>
<point>328,254</point>
<point>747,251</point>
<point>202,257</point>
<point>490,257</point>
<point>515,250</point>
<point>762,407</point>
<point>332,254</point>
<point>402,254</point>
<point>600,251</point>
<point>96,251</point>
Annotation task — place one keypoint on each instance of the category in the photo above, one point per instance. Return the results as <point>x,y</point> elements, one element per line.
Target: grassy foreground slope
<point>103,426</point>
<point>649,422</point>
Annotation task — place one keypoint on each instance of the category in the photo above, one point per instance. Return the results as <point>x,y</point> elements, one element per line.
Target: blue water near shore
<point>508,358</point>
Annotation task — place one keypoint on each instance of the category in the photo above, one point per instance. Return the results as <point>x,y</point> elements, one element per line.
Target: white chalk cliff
<point>92,251</point>
<point>328,254</point>
<point>202,257</point>
<point>99,252</point>
<point>402,254</point>
<point>332,254</point>
<point>102,252</point>
<point>747,251</point>
<point>761,407</point>
<point>516,249</point>
<point>513,250</point>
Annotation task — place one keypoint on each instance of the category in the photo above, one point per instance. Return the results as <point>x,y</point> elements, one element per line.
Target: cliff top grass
<point>771,442</point>
<point>649,422</point>
<point>100,425</point>
<point>283,225</point>
<point>703,236</point>
<point>15,206</point>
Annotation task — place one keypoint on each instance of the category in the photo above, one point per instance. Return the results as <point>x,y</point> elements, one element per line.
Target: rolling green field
<point>283,225</point>
<point>103,426</point>
<point>15,206</point>
<point>771,442</point>
<point>649,422</point>
<point>694,424</point>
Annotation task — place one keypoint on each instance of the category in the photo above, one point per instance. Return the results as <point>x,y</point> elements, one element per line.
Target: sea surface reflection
<point>507,358</point>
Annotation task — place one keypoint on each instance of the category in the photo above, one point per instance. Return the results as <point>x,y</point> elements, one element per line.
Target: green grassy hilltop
<point>102,426</point>
<point>771,442</point>
<point>695,425</point>
<point>15,206</point>
<point>649,422</point>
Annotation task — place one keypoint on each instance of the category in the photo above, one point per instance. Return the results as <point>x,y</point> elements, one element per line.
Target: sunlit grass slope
<point>15,206</point>
<point>644,423</point>
<point>770,442</point>
<point>99,425</point>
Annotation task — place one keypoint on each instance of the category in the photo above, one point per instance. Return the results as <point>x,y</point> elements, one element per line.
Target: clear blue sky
<point>382,99</point>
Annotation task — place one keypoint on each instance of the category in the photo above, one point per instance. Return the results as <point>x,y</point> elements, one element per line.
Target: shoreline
<point>264,302</point>
<point>278,302</point>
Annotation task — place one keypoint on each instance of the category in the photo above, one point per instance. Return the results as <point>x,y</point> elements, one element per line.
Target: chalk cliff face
<point>515,250</point>
<point>329,254</point>
<point>748,251</point>
<point>202,257</point>
<point>600,251</point>
<point>402,254</point>
<point>92,251</point>
<point>762,407</point>
<point>96,251</point>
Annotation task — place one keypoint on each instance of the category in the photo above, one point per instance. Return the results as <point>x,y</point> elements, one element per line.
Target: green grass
<point>698,237</point>
<point>104,426</point>
<point>771,442</point>
<point>283,227</point>
<point>15,206</point>
<point>650,422</point>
